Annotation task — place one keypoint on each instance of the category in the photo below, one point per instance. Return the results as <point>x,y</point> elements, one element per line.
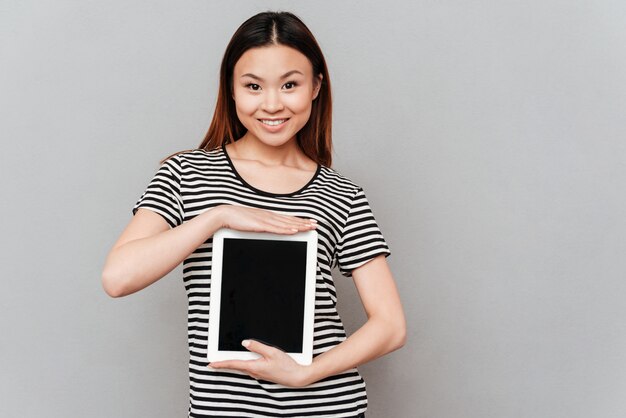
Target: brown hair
<point>264,29</point>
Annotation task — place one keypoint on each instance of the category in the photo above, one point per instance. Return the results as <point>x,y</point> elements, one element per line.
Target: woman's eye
<point>289,85</point>
<point>253,86</point>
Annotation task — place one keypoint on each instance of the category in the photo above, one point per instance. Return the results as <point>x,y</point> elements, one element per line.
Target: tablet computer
<point>262,288</point>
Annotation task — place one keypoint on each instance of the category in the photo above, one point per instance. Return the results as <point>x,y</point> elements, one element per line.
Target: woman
<point>264,166</point>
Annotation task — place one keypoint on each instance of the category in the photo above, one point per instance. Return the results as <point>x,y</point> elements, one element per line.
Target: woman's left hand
<point>274,365</point>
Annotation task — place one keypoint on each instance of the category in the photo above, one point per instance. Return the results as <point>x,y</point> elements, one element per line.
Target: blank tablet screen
<point>262,298</point>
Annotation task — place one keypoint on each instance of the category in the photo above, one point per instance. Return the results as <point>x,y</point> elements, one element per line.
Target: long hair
<point>265,29</point>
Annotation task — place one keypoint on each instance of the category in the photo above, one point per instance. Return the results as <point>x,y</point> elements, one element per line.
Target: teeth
<point>273,122</point>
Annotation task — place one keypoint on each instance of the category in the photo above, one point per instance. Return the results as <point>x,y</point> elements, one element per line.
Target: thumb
<point>260,348</point>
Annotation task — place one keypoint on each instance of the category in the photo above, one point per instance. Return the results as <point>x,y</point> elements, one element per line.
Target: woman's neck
<point>288,154</point>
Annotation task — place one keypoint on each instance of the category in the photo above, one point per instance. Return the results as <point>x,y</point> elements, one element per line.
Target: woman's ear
<point>317,84</point>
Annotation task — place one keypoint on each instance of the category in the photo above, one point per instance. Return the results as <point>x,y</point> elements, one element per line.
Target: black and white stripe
<point>348,236</point>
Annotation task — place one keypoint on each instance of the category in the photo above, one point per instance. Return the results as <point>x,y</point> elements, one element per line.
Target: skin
<point>269,160</point>
<point>273,82</point>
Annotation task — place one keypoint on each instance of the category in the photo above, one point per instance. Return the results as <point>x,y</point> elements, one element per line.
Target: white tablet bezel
<point>310,237</point>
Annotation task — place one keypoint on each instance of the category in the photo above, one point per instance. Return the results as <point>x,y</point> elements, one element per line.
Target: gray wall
<point>489,136</point>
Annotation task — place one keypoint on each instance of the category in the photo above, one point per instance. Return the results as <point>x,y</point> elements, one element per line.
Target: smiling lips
<point>273,122</point>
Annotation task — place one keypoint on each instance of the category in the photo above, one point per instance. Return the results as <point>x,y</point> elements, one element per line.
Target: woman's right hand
<point>242,218</point>
<point>148,248</point>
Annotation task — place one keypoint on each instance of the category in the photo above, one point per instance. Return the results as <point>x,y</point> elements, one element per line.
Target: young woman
<point>265,166</point>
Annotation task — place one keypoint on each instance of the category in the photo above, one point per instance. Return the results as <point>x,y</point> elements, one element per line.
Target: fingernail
<point>313,220</point>
<point>245,343</point>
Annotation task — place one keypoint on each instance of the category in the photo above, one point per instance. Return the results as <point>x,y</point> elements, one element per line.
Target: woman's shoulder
<point>196,156</point>
<point>338,181</point>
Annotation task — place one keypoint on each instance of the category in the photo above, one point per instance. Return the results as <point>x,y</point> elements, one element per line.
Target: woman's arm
<point>384,331</point>
<point>148,249</point>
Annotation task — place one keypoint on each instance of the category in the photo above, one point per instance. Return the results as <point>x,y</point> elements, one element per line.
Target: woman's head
<point>264,30</point>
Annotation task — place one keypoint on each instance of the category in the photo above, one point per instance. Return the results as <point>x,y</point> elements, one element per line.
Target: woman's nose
<point>271,102</point>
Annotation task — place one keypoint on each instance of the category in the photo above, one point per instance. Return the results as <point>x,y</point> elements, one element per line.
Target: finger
<point>249,367</point>
<point>278,228</point>
<point>295,224</point>
<point>281,223</point>
<point>303,225</point>
<point>276,225</point>
<point>283,216</point>
<point>283,228</point>
<point>292,218</point>
<point>242,365</point>
<point>266,351</point>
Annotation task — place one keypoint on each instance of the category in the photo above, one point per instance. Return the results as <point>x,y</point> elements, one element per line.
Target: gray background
<point>488,135</point>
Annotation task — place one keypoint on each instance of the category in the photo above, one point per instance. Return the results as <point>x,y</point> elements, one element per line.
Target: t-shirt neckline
<point>263,192</point>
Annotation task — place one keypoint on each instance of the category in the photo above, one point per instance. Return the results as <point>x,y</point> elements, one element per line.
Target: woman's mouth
<point>273,122</point>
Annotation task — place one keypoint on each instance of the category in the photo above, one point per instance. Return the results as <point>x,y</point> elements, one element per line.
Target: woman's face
<point>273,89</point>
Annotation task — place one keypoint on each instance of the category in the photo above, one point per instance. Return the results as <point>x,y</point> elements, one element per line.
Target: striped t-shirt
<point>192,182</point>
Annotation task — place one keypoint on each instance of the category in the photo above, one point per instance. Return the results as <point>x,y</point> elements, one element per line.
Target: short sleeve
<point>361,239</point>
<point>163,194</point>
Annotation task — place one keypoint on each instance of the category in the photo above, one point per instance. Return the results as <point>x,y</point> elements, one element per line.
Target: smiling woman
<point>274,53</point>
<point>273,92</point>
<point>264,166</point>
<point>274,103</point>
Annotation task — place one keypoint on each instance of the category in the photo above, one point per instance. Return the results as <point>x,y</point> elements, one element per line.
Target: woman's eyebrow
<point>287,74</point>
